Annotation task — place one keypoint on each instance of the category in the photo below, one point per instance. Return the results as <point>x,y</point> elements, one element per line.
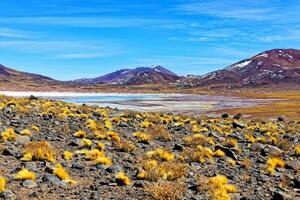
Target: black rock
<point>237,116</point>
<point>178,147</point>
<point>31,97</point>
<point>280,118</point>
<point>225,115</point>
<point>238,125</point>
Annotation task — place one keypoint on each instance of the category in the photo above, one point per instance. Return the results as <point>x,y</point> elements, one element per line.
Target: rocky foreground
<point>56,150</point>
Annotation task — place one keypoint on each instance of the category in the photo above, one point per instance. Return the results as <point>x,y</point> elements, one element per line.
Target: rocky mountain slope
<point>269,68</point>
<point>137,76</point>
<point>11,75</point>
<point>57,150</point>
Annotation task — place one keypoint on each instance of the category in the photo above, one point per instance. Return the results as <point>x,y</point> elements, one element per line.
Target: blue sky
<point>70,39</point>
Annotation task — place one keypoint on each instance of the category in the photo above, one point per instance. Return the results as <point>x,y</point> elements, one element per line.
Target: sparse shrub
<point>114,136</point>
<point>9,135</point>
<point>297,150</point>
<point>101,146</point>
<point>216,188</point>
<point>2,184</point>
<point>68,155</point>
<point>219,153</point>
<point>35,128</point>
<point>231,162</point>
<point>246,163</point>
<point>38,151</point>
<point>25,174</point>
<point>146,124</point>
<point>161,154</point>
<point>85,142</point>
<point>103,160</point>
<point>80,134</point>
<point>231,142</point>
<point>61,173</point>
<point>26,132</point>
<point>165,190</point>
<point>273,163</point>
<point>142,137</point>
<point>125,146</point>
<point>160,133</point>
<point>122,179</point>
<point>284,144</point>
<point>196,139</point>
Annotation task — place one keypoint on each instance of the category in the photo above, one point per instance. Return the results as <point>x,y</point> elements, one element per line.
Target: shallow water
<point>148,102</point>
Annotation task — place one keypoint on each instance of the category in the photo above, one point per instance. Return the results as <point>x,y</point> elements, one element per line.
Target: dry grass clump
<point>9,135</point>
<point>219,153</point>
<point>38,151</point>
<point>85,142</point>
<point>231,143</point>
<point>196,139</point>
<point>197,154</point>
<point>216,188</point>
<point>125,146</point>
<point>246,163</point>
<point>160,133</point>
<point>95,155</point>
<point>2,184</point>
<point>142,137</point>
<point>153,171</point>
<point>25,174</point>
<point>161,154</point>
<point>297,150</point>
<point>273,163</point>
<point>67,155</point>
<point>146,124</point>
<point>284,144</point>
<point>122,179</point>
<point>166,190</point>
<point>113,136</point>
<point>61,173</point>
<point>80,134</point>
<point>26,132</point>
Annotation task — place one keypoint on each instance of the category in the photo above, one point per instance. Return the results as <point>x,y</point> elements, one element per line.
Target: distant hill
<point>137,76</point>
<point>13,76</point>
<point>269,68</point>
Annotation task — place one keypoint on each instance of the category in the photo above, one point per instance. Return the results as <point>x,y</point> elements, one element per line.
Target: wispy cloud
<point>244,10</point>
<point>13,33</point>
<point>93,22</point>
<point>63,49</point>
<point>86,55</point>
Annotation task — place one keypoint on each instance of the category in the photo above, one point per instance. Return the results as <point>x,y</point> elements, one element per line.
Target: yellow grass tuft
<point>26,132</point>
<point>166,190</point>
<point>142,137</point>
<point>80,134</point>
<point>9,135</point>
<point>85,142</point>
<point>68,155</point>
<point>61,173</point>
<point>25,174</point>
<point>123,179</point>
<point>38,151</point>
<point>161,154</point>
<point>2,184</point>
<point>273,163</point>
<point>219,153</point>
<point>216,187</point>
<point>297,150</point>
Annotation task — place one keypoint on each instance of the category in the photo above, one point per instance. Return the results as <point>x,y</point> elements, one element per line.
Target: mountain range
<point>269,68</point>
<point>137,76</point>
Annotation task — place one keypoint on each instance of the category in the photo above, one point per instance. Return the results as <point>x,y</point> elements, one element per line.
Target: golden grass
<point>165,190</point>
